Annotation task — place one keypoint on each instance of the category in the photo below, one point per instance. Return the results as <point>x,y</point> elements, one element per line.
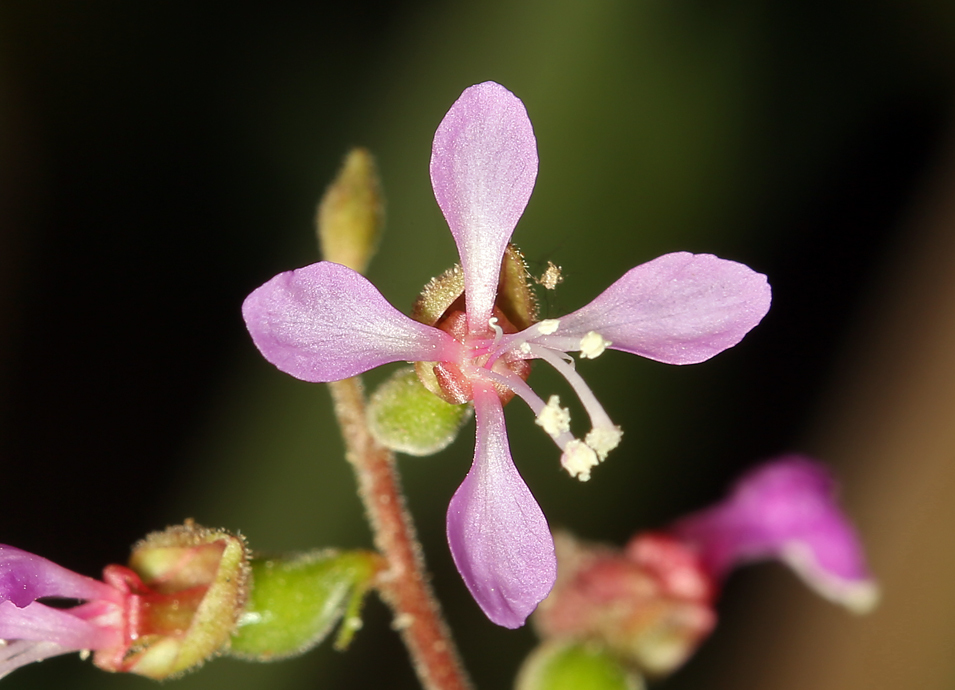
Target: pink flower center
<point>482,354</point>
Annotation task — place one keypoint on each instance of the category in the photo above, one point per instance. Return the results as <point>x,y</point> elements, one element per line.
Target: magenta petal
<point>787,510</point>
<point>39,622</point>
<point>325,322</point>
<point>680,308</point>
<point>25,577</point>
<point>498,535</point>
<point>17,653</point>
<point>483,168</point>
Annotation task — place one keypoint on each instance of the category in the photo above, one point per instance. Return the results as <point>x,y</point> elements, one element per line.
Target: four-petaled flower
<point>325,322</point>
<point>175,606</point>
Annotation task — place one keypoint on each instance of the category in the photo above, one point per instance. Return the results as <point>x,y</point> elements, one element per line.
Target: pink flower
<point>787,510</point>
<point>325,322</point>
<point>174,607</point>
<point>35,631</point>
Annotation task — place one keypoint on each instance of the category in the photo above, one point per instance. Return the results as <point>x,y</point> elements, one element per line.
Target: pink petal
<point>325,322</point>
<point>498,535</point>
<point>787,510</point>
<point>39,622</point>
<point>483,168</point>
<point>19,653</point>
<point>680,308</point>
<point>25,577</point>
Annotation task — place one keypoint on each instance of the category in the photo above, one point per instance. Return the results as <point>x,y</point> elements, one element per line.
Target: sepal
<point>297,599</point>
<point>406,417</point>
<point>185,588</point>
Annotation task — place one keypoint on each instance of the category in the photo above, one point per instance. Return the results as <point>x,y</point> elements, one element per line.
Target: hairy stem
<point>404,587</point>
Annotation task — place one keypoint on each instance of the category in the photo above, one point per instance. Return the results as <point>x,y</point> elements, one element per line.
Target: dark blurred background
<point>159,160</point>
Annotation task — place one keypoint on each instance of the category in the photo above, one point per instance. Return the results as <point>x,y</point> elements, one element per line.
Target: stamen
<point>578,459</point>
<point>598,418</point>
<point>592,345</point>
<point>603,440</point>
<point>554,419</point>
<point>548,326</point>
<point>533,400</point>
<point>518,341</point>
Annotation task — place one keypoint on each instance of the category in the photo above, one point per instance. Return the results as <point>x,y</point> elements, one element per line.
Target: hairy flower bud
<point>351,214</point>
<point>570,666</point>
<point>406,417</point>
<point>297,599</point>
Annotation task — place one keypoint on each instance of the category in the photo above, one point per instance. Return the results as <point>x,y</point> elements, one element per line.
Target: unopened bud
<point>571,666</point>
<point>351,214</point>
<point>296,601</point>
<point>406,417</point>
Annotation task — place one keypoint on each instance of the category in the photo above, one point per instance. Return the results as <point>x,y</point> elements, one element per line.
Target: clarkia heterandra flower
<point>173,608</point>
<point>653,602</point>
<point>325,322</point>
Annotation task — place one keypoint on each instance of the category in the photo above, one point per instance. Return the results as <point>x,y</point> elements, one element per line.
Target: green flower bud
<point>405,416</point>
<point>296,600</point>
<point>559,666</point>
<point>351,214</point>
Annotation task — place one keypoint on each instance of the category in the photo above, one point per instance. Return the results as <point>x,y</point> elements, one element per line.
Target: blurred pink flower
<point>786,509</point>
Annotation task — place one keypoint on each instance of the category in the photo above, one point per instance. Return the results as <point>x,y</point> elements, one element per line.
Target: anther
<point>578,458</point>
<point>592,345</point>
<point>548,326</point>
<point>553,418</point>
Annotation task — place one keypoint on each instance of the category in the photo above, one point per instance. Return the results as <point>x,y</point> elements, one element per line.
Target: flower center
<point>482,356</point>
<point>501,355</point>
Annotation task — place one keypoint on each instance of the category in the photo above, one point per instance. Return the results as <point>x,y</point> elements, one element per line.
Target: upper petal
<point>483,168</point>
<point>325,322</point>
<point>25,577</point>
<point>498,535</point>
<point>786,509</point>
<point>680,308</point>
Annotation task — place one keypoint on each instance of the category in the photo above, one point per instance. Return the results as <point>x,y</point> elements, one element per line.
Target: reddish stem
<point>404,587</point>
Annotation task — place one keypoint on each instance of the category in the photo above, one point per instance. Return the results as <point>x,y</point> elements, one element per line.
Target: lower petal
<point>19,653</point>
<point>499,538</point>
<point>42,623</point>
